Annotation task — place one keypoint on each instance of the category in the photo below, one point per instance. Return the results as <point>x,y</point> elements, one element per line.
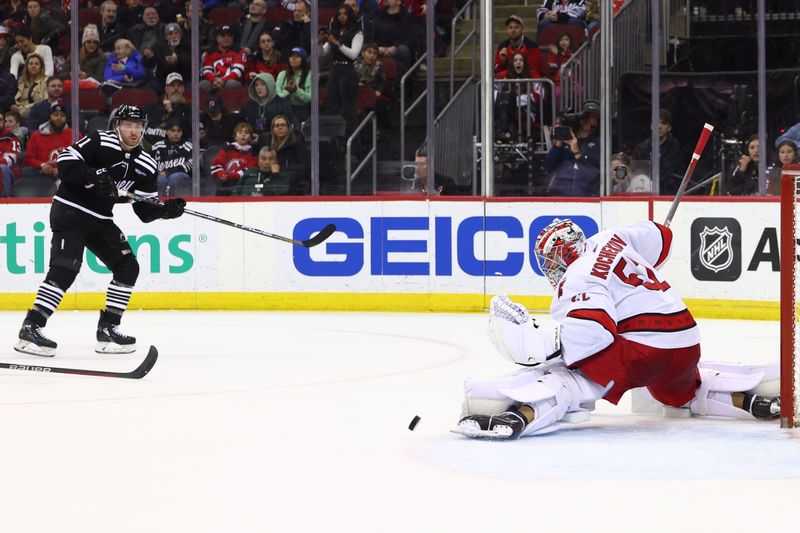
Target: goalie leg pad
<point>720,380</point>
<point>554,392</point>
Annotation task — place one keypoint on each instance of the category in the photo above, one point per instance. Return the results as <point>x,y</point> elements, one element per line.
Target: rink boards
<point>398,254</point>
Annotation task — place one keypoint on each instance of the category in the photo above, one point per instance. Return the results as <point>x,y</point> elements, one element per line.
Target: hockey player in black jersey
<point>92,170</point>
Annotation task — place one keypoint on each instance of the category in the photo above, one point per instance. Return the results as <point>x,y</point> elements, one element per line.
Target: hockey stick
<point>137,373</point>
<point>320,237</point>
<point>701,144</point>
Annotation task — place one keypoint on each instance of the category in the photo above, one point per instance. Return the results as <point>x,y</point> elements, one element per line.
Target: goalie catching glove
<point>517,337</point>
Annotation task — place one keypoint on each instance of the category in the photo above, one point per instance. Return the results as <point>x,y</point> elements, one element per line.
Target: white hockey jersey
<point>614,289</point>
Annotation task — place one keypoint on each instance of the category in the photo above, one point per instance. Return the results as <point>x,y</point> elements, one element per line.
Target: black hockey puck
<point>413,424</point>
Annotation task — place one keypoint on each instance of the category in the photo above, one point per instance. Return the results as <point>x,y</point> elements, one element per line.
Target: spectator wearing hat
<point>147,33</point>
<point>267,58</point>
<point>517,42</point>
<point>223,67</point>
<point>6,49</point>
<point>91,59</point>
<point>264,105</point>
<point>575,163</point>
<point>671,159</point>
<point>253,26</point>
<point>27,46</point>
<point>40,112</point>
<point>218,123</point>
<point>173,156</point>
<point>294,84</point>
<point>295,32</point>
<point>109,28</point>
<point>170,54</point>
<point>174,105</point>
<point>561,12</point>
<point>45,144</point>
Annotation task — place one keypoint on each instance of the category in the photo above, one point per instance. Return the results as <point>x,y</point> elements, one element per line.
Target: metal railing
<point>405,113</point>
<point>631,36</point>
<point>372,154</point>
<point>469,13</point>
<point>456,120</point>
<point>526,122</point>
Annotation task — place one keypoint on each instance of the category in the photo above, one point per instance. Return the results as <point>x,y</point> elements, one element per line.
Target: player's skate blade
<point>33,341</point>
<point>112,340</point>
<point>506,425</point>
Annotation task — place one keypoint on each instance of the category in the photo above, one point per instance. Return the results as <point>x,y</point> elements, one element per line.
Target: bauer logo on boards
<point>716,249</point>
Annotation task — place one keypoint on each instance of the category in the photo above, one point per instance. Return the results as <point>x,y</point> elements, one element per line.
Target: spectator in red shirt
<point>9,157</point>
<point>45,144</point>
<point>518,42</point>
<point>235,157</point>
<point>223,67</point>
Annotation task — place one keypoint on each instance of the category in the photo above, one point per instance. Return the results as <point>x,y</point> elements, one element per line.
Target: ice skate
<point>110,339</point>
<point>762,407</point>
<point>506,425</point>
<point>32,340</point>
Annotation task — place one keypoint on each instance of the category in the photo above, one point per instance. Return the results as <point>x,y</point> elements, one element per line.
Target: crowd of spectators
<point>255,78</point>
<point>256,91</point>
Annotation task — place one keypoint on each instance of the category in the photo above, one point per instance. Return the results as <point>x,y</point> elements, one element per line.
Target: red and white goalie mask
<point>557,246</point>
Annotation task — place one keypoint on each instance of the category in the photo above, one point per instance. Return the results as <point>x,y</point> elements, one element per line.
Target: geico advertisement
<point>444,247</point>
<point>721,250</point>
<point>725,250</point>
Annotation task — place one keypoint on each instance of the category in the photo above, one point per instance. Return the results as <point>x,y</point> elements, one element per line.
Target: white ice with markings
<point>284,422</point>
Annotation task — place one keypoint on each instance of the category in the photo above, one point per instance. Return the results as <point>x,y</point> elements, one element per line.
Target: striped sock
<point>117,297</point>
<point>47,298</point>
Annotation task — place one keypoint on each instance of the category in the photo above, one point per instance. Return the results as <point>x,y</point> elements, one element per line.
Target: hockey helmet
<point>557,246</point>
<point>130,113</point>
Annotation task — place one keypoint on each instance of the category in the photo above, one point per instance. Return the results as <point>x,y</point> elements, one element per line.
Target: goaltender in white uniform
<point>617,325</point>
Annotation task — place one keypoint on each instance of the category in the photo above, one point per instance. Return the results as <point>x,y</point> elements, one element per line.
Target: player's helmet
<point>557,246</point>
<point>130,113</point>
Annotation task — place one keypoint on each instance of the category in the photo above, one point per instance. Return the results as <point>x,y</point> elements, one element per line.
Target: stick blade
<point>320,237</point>
<point>147,365</point>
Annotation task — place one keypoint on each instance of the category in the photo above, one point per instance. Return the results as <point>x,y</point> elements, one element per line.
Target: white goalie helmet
<point>557,246</point>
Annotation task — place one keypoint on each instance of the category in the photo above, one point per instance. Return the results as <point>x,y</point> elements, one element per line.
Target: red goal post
<point>790,286</point>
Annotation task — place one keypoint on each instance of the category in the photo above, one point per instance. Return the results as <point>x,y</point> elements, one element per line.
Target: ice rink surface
<point>284,422</point>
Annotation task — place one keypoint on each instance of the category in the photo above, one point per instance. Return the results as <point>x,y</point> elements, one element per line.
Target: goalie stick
<point>698,149</point>
<point>319,238</point>
<point>137,373</point>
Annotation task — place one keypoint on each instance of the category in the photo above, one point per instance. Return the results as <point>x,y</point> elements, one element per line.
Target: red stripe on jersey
<point>666,243</point>
<point>595,315</point>
<point>679,321</point>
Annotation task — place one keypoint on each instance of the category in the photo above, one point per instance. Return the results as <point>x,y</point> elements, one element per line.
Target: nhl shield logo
<point>716,248</point>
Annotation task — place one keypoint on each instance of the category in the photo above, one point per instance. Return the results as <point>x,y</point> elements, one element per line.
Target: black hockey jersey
<point>173,157</point>
<point>132,171</point>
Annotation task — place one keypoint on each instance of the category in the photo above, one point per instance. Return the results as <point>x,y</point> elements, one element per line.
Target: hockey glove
<point>102,184</point>
<point>173,208</point>
<point>517,337</point>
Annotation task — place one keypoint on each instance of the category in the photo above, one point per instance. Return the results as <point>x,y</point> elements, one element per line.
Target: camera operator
<point>624,178</point>
<point>574,159</point>
<point>744,178</point>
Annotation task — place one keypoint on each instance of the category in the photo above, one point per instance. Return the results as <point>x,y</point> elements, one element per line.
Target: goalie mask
<point>131,134</point>
<point>558,245</point>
